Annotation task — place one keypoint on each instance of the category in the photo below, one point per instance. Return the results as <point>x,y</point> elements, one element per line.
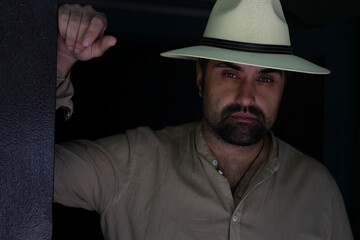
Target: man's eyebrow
<point>270,70</point>
<point>239,68</point>
<point>229,65</point>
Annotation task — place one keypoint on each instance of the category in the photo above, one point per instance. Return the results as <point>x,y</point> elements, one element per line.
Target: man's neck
<point>234,161</point>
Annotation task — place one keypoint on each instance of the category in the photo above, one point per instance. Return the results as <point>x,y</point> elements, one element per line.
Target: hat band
<point>247,47</point>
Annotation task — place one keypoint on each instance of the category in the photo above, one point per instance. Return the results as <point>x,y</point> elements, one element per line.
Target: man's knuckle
<point>76,6</point>
<point>76,17</point>
<point>89,8</point>
<point>65,6</point>
<point>64,12</point>
<point>99,22</point>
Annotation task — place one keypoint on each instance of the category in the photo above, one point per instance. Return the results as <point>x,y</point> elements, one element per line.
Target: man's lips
<point>243,117</point>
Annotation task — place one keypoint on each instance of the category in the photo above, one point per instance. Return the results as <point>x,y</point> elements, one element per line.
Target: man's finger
<point>63,19</point>
<point>86,18</point>
<point>96,29</point>
<point>73,27</point>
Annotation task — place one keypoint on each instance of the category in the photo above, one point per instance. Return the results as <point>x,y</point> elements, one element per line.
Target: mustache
<point>234,108</point>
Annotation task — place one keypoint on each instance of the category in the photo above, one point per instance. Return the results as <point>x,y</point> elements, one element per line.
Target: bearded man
<point>227,177</point>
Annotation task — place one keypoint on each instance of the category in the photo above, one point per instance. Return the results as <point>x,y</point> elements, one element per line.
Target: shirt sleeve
<point>341,228</point>
<point>92,175</point>
<point>64,93</point>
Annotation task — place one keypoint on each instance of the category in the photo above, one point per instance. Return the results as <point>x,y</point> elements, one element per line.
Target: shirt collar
<point>270,166</point>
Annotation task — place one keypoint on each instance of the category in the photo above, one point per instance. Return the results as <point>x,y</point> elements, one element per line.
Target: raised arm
<point>81,36</point>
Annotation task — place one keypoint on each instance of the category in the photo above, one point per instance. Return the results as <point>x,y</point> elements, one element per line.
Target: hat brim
<point>285,62</point>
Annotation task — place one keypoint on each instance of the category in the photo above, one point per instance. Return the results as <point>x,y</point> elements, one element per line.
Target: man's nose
<point>246,93</point>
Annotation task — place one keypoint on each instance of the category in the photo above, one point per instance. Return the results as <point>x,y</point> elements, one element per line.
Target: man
<point>228,177</point>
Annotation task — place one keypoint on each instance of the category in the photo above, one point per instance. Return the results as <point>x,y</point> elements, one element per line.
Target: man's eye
<point>265,79</point>
<point>230,75</point>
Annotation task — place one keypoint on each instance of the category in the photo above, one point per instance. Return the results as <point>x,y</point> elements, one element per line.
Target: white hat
<point>251,32</point>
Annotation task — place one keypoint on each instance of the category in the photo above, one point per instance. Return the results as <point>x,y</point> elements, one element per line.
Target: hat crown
<point>251,32</point>
<point>248,21</point>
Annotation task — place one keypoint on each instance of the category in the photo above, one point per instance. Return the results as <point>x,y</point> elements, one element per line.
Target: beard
<point>239,133</point>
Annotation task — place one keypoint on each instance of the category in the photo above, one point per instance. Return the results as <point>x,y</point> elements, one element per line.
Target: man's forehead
<point>243,67</point>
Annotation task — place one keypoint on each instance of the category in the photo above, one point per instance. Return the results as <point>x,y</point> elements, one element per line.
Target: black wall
<point>27,83</point>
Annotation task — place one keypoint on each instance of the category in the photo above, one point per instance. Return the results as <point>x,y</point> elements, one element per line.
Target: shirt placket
<point>236,219</point>
<point>235,223</point>
<point>221,185</point>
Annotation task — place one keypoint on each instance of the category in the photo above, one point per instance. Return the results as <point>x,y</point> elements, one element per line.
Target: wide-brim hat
<point>251,32</point>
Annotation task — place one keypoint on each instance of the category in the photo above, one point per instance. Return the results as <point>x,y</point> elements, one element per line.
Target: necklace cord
<point>248,168</point>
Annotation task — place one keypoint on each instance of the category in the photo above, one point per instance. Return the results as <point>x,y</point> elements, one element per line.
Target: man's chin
<point>242,141</point>
<point>242,134</point>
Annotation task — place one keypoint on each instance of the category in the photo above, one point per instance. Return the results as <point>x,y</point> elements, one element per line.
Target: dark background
<point>131,85</point>
<point>27,72</point>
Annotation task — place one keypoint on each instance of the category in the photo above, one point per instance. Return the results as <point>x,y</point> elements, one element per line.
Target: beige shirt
<point>64,93</point>
<point>159,185</point>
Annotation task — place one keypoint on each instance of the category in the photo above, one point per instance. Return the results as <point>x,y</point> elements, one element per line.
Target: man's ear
<point>199,77</point>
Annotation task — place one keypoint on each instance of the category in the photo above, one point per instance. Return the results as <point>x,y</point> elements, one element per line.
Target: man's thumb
<point>102,45</point>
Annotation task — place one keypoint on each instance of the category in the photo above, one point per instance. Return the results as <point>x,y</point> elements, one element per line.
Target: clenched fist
<point>81,35</point>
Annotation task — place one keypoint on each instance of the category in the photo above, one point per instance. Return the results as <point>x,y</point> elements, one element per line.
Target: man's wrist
<point>64,93</point>
<point>65,63</point>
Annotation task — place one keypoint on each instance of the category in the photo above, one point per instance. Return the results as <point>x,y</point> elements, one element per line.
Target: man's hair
<point>203,65</point>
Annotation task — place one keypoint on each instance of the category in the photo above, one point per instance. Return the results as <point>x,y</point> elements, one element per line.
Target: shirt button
<point>215,163</point>
<point>234,218</point>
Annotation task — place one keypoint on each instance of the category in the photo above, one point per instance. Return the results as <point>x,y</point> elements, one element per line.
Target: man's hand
<point>81,35</point>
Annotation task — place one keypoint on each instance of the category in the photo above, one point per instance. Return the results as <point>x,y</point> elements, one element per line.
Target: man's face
<point>240,102</point>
